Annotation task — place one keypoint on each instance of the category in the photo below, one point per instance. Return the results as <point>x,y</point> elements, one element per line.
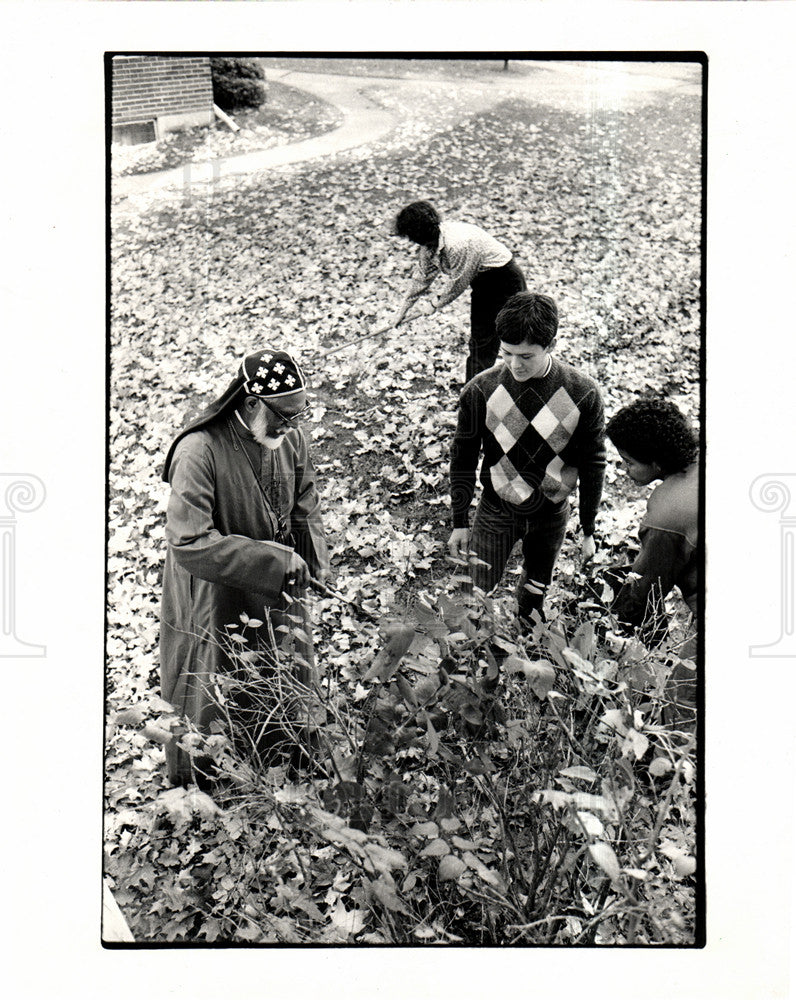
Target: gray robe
<point>228,550</point>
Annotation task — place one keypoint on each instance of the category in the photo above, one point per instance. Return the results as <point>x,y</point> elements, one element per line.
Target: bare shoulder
<point>674,504</point>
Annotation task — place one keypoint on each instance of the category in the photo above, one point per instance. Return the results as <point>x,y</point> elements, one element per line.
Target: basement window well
<point>134,133</point>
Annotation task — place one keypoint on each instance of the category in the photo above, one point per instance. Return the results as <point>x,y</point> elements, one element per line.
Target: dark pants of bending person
<point>490,291</point>
<point>497,528</point>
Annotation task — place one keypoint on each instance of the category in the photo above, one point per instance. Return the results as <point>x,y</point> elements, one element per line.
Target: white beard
<point>259,429</point>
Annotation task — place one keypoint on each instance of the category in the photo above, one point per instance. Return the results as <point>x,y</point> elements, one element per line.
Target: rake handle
<point>358,340</point>
<point>373,333</point>
<point>321,588</point>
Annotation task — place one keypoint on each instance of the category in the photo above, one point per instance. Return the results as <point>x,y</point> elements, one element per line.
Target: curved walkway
<point>364,121</point>
<point>573,86</point>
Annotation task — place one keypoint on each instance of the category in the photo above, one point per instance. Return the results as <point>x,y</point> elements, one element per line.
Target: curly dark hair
<point>652,429</point>
<point>419,221</point>
<point>528,316</point>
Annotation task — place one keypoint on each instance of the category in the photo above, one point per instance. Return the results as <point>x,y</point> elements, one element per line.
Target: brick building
<point>152,95</point>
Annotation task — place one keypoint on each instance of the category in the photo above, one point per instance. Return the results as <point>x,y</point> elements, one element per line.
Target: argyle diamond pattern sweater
<point>539,438</point>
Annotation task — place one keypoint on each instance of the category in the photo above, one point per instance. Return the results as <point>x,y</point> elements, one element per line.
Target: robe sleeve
<point>305,518</point>
<point>198,547</point>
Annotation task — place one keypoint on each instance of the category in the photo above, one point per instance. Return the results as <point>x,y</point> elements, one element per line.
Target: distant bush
<point>238,83</point>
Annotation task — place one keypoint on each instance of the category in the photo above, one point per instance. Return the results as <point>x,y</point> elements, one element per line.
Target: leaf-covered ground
<point>603,212</point>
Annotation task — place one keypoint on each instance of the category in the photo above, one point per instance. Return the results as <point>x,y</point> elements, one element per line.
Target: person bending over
<point>468,257</point>
<point>655,441</point>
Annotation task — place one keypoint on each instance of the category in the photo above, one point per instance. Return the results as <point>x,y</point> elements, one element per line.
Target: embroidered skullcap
<point>264,374</point>
<point>268,373</point>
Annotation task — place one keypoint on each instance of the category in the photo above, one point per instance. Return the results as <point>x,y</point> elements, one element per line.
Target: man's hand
<point>459,543</point>
<point>587,548</point>
<point>298,572</point>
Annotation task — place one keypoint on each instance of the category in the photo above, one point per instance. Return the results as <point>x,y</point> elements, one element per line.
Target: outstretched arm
<point>591,468</point>
<point>422,277</point>
<point>465,450</point>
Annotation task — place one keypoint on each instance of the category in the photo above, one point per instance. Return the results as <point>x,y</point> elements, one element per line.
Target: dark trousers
<point>489,292</point>
<point>496,529</point>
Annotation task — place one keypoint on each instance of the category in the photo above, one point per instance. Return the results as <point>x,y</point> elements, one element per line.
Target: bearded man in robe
<point>245,537</point>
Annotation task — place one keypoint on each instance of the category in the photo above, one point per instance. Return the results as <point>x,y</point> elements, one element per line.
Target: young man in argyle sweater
<point>540,426</point>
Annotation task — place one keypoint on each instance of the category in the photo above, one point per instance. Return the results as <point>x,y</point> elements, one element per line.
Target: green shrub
<point>238,83</point>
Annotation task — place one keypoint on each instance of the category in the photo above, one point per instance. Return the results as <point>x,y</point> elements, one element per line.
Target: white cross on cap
<point>273,384</point>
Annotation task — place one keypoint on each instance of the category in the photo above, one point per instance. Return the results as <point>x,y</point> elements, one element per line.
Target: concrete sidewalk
<point>579,87</point>
<point>364,121</point>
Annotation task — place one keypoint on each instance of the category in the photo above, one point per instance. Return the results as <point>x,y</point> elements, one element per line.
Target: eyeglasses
<point>284,419</point>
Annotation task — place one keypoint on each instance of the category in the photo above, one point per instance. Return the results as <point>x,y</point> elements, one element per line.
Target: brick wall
<point>149,87</point>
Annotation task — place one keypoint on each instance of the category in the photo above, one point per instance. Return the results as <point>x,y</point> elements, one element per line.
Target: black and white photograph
<point>396,498</point>
<point>404,524</point>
